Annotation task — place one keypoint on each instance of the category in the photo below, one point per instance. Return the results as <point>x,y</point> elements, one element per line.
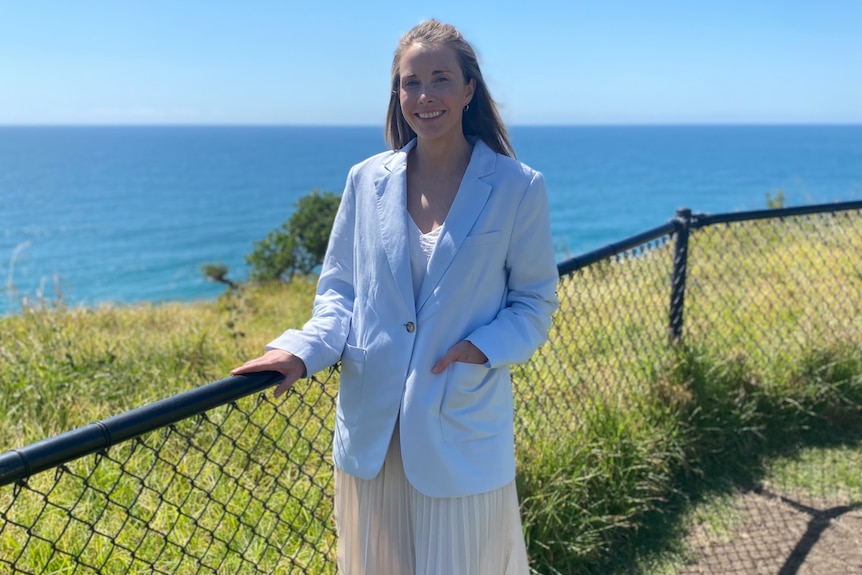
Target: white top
<point>421,248</point>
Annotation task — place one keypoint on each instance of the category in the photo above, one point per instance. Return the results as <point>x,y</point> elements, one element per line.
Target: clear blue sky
<point>319,62</point>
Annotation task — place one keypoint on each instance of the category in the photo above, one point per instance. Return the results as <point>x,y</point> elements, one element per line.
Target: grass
<point>624,442</point>
<point>245,486</point>
<point>636,439</point>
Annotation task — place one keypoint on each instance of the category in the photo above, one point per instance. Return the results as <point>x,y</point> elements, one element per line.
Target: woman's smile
<point>429,115</point>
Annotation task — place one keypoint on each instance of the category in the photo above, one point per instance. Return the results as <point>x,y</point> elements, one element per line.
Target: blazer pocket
<point>352,385</point>
<point>472,401</point>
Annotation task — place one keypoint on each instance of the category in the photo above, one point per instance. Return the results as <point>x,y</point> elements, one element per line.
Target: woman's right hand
<point>284,362</point>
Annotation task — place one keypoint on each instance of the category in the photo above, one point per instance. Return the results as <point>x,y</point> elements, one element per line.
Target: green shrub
<point>299,245</point>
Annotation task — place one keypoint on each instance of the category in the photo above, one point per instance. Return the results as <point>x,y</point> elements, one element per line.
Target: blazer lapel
<point>468,205</point>
<point>391,191</point>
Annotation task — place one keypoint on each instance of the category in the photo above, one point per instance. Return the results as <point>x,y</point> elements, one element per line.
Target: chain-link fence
<point>697,409</point>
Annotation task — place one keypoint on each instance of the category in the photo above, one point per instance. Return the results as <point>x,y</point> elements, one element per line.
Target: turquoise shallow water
<point>127,214</point>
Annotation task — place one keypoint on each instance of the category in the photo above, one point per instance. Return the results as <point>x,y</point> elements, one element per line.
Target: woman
<point>439,273</point>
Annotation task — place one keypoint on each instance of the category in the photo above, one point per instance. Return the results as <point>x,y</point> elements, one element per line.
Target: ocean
<point>128,214</point>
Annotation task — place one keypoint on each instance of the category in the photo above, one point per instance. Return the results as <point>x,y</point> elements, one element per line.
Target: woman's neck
<point>442,157</point>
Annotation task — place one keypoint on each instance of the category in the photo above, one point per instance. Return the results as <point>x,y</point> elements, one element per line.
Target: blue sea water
<point>125,214</point>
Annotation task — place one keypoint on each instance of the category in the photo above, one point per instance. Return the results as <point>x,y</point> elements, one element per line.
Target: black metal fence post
<point>680,260</point>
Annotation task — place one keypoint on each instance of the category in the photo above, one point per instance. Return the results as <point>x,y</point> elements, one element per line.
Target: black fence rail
<point>223,479</point>
<point>219,479</point>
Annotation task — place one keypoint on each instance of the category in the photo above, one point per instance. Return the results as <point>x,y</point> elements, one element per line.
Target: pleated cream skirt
<point>386,527</point>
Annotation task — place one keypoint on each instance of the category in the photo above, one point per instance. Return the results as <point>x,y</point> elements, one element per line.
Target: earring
<point>467,107</point>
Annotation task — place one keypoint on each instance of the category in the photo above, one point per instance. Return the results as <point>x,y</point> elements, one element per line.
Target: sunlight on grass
<point>822,473</point>
<point>624,441</point>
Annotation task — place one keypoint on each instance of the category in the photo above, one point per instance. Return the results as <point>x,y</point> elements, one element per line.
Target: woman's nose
<point>426,93</point>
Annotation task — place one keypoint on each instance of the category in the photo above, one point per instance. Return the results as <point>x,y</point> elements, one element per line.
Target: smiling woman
<point>434,93</point>
<point>440,274</point>
<point>480,116</point>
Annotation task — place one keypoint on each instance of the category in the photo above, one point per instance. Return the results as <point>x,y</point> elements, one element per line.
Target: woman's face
<point>432,91</point>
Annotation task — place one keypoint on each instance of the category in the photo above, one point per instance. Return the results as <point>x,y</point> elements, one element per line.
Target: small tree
<point>218,273</point>
<point>299,245</point>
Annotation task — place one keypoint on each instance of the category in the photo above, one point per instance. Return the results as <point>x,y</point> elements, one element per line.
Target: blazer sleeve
<point>523,323</point>
<point>321,340</point>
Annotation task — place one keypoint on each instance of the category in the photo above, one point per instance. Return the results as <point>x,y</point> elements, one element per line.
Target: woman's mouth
<point>429,115</point>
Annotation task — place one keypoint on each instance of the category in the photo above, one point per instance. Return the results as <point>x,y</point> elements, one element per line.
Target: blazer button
<point>411,327</point>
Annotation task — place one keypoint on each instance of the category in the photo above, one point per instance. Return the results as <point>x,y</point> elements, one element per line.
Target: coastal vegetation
<point>624,441</point>
<point>295,248</point>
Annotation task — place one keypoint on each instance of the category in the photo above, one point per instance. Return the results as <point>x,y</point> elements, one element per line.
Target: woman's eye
<point>442,79</point>
<point>410,83</point>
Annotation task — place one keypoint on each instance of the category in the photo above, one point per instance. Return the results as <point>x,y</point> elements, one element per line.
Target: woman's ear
<point>469,90</point>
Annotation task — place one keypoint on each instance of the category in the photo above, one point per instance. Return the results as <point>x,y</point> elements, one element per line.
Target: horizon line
<point>382,127</point>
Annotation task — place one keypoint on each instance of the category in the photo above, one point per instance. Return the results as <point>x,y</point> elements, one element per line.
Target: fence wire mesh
<point>781,298</point>
<point>608,336</point>
<point>770,305</point>
<point>243,488</point>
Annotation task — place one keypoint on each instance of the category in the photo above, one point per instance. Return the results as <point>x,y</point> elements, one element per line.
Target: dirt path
<point>774,534</point>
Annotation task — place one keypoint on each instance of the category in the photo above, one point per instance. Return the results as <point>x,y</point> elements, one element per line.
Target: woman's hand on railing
<point>284,362</point>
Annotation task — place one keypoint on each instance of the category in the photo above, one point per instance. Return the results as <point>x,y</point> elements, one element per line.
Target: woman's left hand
<point>464,352</point>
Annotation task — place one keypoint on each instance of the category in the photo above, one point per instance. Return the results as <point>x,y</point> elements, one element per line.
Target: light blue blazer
<point>491,279</point>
